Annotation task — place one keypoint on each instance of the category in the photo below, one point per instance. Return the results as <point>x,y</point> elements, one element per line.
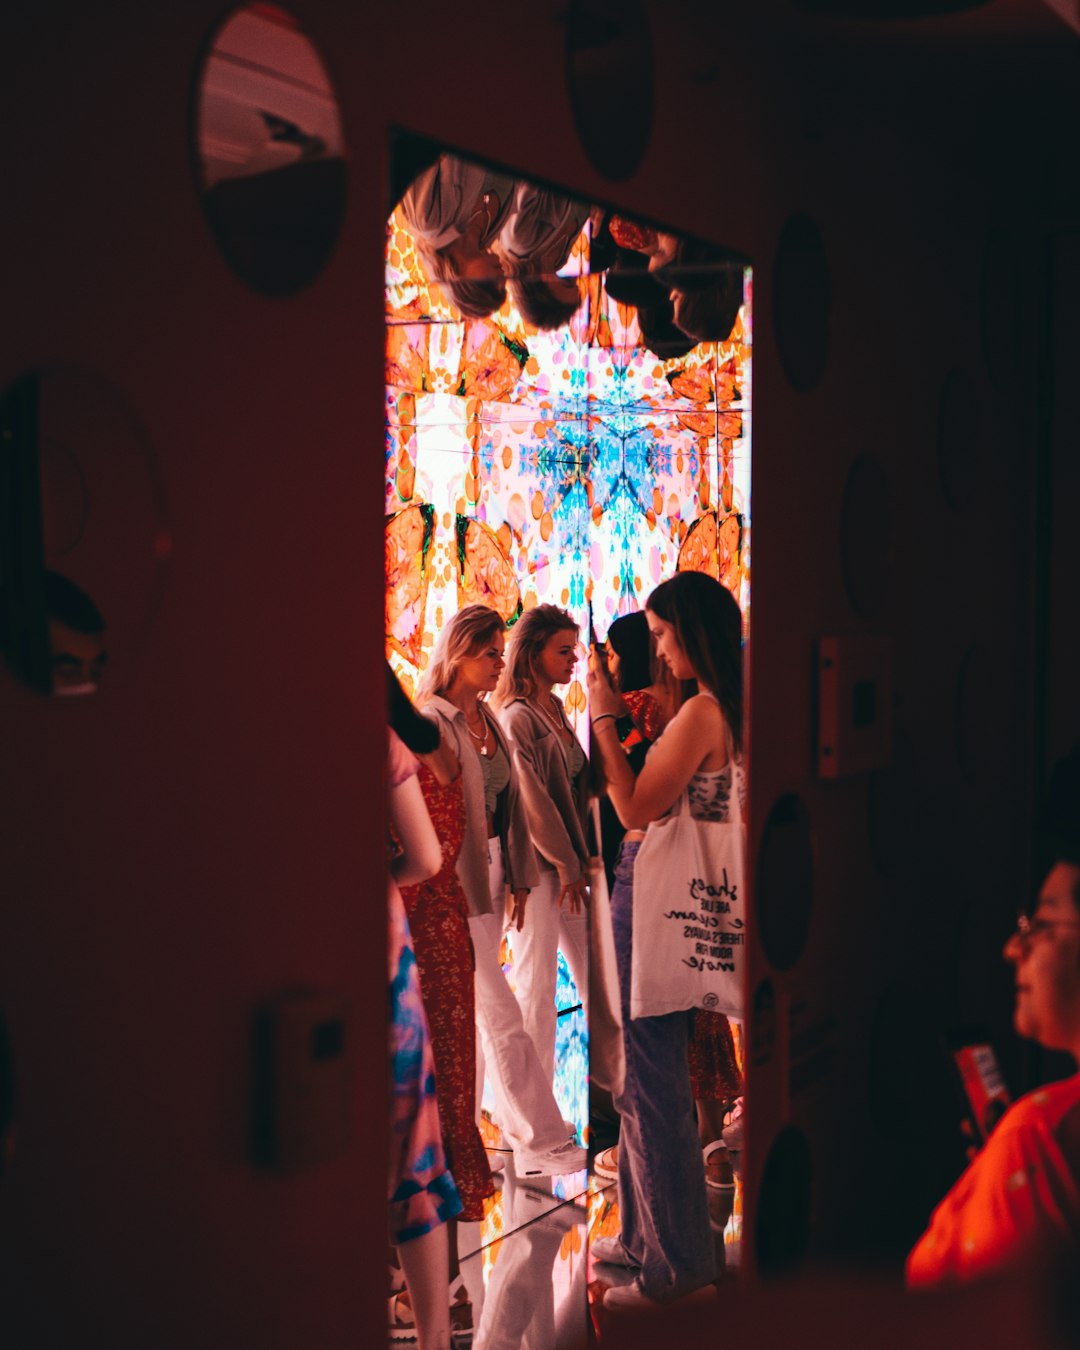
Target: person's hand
<point>517,907</point>
<point>574,895</point>
<point>604,700</point>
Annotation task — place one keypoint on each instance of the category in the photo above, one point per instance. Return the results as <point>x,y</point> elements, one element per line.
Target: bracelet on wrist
<point>602,717</point>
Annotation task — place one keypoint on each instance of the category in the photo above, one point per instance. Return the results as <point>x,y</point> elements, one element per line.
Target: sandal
<point>606,1163</point>
<point>718,1171</point>
<point>402,1323</point>
<point>461,1319</point>
<point>732,1133</point>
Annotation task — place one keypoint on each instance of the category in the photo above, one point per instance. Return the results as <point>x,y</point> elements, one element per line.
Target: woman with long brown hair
<point>665,1233</point>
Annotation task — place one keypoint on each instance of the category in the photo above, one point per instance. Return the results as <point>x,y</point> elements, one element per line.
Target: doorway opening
<point>568,424</point>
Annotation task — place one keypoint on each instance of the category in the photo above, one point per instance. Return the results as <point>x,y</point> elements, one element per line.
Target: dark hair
<point>70,605</point>
<point>538,305</point>
<point>630,282</point>
<point>629,637</point>
<point>708,626</point>
<point>418,732</point>
<point>660,334</point>
<point>602,247</point>
<point>709,316</point>
<point>699,267</point>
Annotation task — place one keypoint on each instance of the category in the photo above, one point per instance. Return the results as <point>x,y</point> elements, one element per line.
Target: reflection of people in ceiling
<point>533,244</point>
<point>706,287</point>
<point>455,211</point>
<point>688,287</point>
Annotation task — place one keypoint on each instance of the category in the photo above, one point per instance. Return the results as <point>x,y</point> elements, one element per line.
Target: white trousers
<point>546,929</point>
<point>525,1105</point>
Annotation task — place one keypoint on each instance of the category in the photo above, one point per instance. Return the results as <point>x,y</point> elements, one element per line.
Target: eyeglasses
<point>1028,928</point>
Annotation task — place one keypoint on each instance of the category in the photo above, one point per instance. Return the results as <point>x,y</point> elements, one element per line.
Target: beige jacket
<point>519,856</point>
<point>557,806</point>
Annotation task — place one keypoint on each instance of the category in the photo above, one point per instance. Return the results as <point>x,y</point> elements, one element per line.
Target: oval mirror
<point>269,150</point>
<point>83,533</point>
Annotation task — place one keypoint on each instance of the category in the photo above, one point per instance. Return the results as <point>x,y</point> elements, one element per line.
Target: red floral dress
<point>438,920</point>
<point>714,1070</point>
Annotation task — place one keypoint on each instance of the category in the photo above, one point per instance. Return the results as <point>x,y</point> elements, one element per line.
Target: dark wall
<point>206,832</point>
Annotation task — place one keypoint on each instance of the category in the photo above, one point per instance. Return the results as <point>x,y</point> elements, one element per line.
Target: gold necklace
<point>555,721</point>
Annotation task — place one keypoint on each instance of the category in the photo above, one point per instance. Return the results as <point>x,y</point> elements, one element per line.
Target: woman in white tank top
<point>665,1235</point>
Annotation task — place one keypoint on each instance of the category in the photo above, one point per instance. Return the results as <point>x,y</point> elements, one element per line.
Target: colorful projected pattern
<point>526,467</point>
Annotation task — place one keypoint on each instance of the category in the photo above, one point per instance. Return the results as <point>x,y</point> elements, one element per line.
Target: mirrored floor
<point>527,1268</point>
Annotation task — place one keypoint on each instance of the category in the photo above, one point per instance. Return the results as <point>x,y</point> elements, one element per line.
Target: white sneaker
<point>568,1157</point>
<point>631,1296</point>
<point>606,1163</point>
<point>609,1251</point>
<point>628,1296</point>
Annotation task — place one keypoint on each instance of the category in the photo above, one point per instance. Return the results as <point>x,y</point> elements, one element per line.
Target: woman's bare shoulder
<point>700,710</point>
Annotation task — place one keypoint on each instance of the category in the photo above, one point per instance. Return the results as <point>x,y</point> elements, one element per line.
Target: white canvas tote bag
<point>689,915</point>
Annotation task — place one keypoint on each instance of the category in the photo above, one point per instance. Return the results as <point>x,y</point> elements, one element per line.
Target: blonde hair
<point>475,297</point>
<point>527,640</point>
<point>465,635</point>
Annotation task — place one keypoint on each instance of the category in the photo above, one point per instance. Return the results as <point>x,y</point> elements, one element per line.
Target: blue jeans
<point>663,1210</point>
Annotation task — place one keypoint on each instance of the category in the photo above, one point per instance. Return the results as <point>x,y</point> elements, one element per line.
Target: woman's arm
<point>421,855</point>
<point>443,763</point>
<point>546,825</point>
<point>696,733</point>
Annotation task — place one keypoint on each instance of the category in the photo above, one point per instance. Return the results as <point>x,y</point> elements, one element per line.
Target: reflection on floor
<point>526,1266</point>
<point>527,1284</point>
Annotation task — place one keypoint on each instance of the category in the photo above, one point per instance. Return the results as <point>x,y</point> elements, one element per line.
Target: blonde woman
<point>554,774</point>
<point>496,857</point>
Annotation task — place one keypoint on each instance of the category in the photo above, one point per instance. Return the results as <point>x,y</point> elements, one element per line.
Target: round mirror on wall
<point>269,150</point>
<point>84,537</point>
<point>609,47</point>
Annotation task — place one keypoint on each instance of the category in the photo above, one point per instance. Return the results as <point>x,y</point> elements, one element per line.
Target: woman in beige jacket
<point>496,857</point>
<point>554,775</point>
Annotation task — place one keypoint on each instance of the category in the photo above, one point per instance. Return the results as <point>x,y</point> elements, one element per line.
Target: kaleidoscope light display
<point>567,467</point>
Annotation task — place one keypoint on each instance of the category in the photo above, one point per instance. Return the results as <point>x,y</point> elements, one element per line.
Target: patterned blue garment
<point>422,1191</point>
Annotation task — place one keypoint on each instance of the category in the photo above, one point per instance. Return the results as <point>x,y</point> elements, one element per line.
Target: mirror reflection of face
<point>482,669</point>
<point>78,659</point>
<point>558,657</point>
<point>668,648</point>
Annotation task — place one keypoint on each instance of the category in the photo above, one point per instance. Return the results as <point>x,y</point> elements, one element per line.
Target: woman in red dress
<point>438,921</point>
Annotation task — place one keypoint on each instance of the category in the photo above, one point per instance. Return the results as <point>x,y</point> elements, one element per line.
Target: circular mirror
<point>802,300</point>
<point>608,47</point>
<point>269,150</point>
<point>783,1216</point>
<point>83,531</point>
<point>785,881</point>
